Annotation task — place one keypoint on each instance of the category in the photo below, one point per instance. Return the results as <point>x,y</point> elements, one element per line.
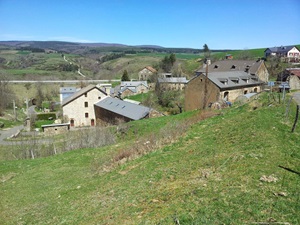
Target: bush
<point>46,116</point>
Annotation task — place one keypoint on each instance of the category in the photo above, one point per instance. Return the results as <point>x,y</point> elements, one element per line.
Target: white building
<point>79,107</point>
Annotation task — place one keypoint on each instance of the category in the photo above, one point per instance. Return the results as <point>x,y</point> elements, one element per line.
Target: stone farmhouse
<point>91,106</point>
<point>292,77</point>
<point>146,73</point>
<point>286,53</point>
<point>226,80</point>
<point>79,107</point>
<point>167,82</point>
<point>128,88</point>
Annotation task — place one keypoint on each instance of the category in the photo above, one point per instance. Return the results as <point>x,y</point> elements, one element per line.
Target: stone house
<point>146,73</point>
<point>128,88</point>
<point>225,82</point>
<point>292,77</point>
<point>286,53</point>
<point>252,67</point>
<point>171,83</point>
<point>79,107</point>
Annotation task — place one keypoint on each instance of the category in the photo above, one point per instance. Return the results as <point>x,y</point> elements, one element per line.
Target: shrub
<point>46,116</point>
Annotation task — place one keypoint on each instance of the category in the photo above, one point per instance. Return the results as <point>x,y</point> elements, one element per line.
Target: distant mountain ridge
<point>62,44</point>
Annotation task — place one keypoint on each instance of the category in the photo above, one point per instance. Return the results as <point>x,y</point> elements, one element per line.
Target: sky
<point>221,24</point>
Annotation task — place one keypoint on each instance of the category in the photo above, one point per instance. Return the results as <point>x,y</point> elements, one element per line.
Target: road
<point>6,133</point>
<point>61,81</point>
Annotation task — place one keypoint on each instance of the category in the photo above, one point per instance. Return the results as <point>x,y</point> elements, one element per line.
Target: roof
<point>233,79</point>
<point>281,49</point>
<point>294,71</point>
<point>181,80</point>
<point>132,89</point>
<point>151,69</point>
<point>233,65</point>
<point>64,90</point>
<point>123,108</point>
<point>79,93</point>
<point>133,83</point>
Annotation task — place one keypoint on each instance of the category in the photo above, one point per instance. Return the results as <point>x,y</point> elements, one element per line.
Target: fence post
<point>296,119</point>
<point>287,111</point>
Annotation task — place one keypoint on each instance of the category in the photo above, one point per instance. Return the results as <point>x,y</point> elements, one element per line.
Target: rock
<point>268,179</point>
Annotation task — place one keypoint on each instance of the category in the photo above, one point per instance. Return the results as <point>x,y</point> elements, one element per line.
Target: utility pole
<point>15,114</point>
<point>205,85</point>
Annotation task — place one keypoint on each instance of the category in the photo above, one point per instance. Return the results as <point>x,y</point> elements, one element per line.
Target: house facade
<point>286,53</point>
<point>146,73</point>
<point>79,107</point>
<point>220,86</point>
<point>171,83</point>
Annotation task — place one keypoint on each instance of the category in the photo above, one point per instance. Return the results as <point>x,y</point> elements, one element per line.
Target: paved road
<point>61,81</point>
<point>6,133</point>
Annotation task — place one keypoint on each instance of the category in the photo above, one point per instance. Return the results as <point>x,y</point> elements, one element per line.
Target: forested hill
<point>72,47</point>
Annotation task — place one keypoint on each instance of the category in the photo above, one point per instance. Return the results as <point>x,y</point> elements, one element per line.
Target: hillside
<point>169,170</point>
<point>37,60</point>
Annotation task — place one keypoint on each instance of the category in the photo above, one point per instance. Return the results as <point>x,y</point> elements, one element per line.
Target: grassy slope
<point>209,176</point>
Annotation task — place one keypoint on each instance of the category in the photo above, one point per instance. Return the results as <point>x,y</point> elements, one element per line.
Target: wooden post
<point>296,119</point>
<point>206,84</point>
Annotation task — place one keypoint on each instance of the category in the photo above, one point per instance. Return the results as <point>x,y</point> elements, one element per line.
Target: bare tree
<point>6,94</point>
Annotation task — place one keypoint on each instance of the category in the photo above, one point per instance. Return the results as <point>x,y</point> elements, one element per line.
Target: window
<point>99,97</point>
<point>226,95</point>
<point>86,115</point>
<point>85,94</point>
<point>86,104</point>
<point>223,81</point>
<point>234,79</point>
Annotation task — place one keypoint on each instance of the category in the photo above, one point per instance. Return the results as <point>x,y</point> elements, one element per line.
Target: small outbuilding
<point>56,128</point>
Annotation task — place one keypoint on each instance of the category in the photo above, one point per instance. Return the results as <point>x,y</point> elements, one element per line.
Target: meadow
<point>200,167</point>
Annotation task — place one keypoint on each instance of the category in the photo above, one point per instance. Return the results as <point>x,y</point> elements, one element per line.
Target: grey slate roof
<point>233,65</point>
<point>133,83</point>
<point>123,108</point>
<point>180,80</point>
<point>64,90</point>
<point>79,93</point>
<point>233,79</point>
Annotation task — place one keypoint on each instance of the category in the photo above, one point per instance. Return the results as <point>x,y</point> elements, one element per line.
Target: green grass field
<point>222,170</point>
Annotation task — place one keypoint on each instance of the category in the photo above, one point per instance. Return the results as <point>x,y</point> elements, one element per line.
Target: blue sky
<point>228,24</point>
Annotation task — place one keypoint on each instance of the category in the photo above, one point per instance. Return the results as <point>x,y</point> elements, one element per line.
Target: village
<point>217,84</point>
